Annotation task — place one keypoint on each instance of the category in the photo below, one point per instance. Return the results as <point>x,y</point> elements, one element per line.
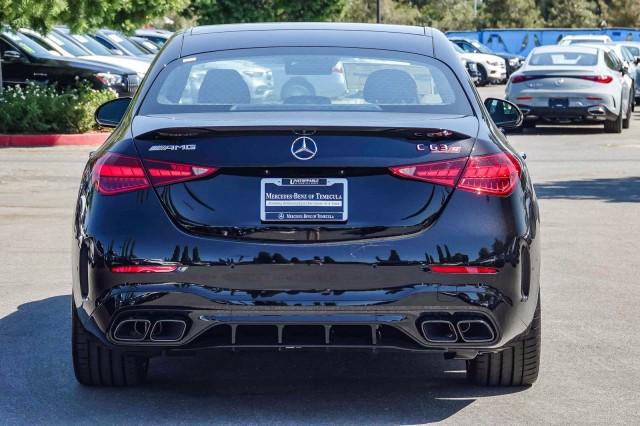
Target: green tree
<point>511,14</point>
<point>234,11</point>
<point>573,14</point>
<point>623,13</point>
<point>391,12</point>
<point>451,15</point>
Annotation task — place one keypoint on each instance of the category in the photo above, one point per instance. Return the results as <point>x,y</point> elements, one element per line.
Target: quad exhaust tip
<point>442,331</point>
<point>439,331</point>
<point>141,330</point>
<point>168,330</point>
<point>132,330</point>
<point>475,331</point>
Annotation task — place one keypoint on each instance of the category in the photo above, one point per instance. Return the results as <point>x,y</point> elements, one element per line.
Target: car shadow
<point>612,190</point>
<point>36,380</point>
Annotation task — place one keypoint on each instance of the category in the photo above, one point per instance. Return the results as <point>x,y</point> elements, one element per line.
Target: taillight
<point>603,78</point>
<point>440,172</point>
<point>493,174</point>
<point>164,173</point>
<point>598,78</point>
<point>519,78</point>
<point>116,173</point>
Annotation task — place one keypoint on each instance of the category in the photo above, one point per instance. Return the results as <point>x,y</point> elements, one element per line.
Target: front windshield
<point>90,44</point>
<point>304,79</point>
<point>26,44</point>
<point>66,45</point>
<point>482,48</point>
<point>126,45</point>
<point>635,51</point>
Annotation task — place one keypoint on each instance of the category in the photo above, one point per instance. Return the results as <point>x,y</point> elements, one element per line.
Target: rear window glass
<point>292,79</point>
<point>586,41</point>
<point>564,58</point>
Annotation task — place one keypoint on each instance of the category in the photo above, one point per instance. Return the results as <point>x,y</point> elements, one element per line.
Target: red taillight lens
<point>117,173</point>
<point>440,172</point>
<point>459,269</point>
<point>519,78</point>
<point>136,269</point>
<point>493,174</point>
<point>598,78</point>
<point>165,173</point>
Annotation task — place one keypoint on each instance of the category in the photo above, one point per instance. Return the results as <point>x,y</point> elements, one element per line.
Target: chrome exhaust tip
<point>132,330</point>
<point>439,331</point>
<point>596,110</point>
<point>475,331</point>
<point>171,330</point>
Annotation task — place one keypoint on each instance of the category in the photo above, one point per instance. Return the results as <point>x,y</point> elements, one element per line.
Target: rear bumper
<point>592,113</point>
<point>385,319</point>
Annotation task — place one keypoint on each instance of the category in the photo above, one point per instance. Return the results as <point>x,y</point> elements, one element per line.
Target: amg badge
<point>172,148</point>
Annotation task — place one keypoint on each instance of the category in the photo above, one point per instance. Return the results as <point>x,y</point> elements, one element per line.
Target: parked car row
<point>491,67</point>
<point>107,59</point>
<point>583,79</point>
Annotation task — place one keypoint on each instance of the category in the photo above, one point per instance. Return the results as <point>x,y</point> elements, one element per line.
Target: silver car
<point>573,84</point>
<point>633,48</point>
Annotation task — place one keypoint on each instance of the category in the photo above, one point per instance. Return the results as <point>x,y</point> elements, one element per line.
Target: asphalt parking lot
<point>589,186</point>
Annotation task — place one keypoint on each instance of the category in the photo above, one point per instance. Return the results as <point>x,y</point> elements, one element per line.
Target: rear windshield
<point>586,41</point>
<point>633,50</point>
<point>564,58</point>
<point>304,79</point>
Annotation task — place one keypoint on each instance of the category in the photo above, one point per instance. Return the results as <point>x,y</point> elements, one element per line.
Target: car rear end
<point>566,85</point>
<point>389,218</point>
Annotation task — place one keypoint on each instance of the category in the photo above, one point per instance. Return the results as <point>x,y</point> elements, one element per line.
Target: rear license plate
<point>559,102</point>
<point>303,200</point>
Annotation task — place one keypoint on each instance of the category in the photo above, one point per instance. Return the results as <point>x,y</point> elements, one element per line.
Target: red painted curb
<point>52,140</point>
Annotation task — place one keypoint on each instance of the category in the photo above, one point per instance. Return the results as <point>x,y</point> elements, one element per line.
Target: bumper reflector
<point>460,269</point>
<point>135,269</point>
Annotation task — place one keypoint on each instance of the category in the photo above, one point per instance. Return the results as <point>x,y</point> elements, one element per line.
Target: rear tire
<point>517,365</point>
<point>626,122</point>
<point>614,126</point>
<point>484,79</point>
<point>96,365</point>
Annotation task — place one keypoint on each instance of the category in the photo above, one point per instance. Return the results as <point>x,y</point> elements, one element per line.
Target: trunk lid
<point>348,172</point>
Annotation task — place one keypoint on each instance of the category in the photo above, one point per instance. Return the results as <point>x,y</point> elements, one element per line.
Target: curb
<point>26,141</point>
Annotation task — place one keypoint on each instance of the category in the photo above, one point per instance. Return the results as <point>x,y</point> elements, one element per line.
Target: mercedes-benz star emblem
<point>304,148</point>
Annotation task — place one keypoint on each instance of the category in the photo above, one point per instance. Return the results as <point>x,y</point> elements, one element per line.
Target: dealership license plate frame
<point>299,212</point>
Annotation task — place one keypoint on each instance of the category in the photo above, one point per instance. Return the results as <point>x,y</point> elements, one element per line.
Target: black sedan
<point>24,60</point>
<point>378,207</point>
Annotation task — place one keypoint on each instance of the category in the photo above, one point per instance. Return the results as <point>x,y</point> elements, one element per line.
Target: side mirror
<point>636,60</point>
<point>505,114</point>
<point>11,56</point>
<point>110,113</point>
<point>625,69</point>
